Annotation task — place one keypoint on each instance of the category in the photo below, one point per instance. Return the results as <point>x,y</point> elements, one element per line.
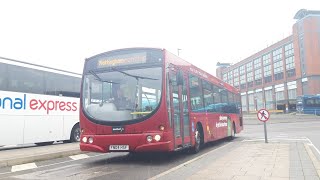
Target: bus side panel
<point>55,128</point>
<point>11,129</point>
<point>35,129</point>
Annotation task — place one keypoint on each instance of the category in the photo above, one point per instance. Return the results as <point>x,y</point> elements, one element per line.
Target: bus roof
<point>35,66</point>
<point>172,58</point>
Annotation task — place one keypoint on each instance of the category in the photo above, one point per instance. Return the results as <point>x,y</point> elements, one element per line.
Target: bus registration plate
<point>119,147</point>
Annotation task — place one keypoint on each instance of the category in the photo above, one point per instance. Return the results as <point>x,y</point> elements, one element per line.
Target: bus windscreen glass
<point>122,94</point>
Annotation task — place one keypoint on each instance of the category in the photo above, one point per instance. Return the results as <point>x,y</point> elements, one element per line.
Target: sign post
<point>263,115</point>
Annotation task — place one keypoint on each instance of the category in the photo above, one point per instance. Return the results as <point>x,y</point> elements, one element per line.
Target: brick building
<point>273,77</point>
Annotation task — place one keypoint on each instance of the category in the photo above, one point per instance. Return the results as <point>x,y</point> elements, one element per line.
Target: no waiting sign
<point>263,115</point>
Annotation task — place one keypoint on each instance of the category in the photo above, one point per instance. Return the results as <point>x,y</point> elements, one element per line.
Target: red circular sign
<point>263,115</point>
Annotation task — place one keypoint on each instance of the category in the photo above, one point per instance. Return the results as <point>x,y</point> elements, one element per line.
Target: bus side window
<point>196,94</point>
<point>3,77</point>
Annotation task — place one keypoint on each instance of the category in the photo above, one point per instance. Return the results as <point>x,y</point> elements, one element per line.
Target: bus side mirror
<point>179,78</point>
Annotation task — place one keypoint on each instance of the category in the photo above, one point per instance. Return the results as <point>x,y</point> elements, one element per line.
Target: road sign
<point>263,115</point>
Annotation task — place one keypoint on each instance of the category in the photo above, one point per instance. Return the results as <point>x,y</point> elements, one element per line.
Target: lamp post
<point>178,51</point>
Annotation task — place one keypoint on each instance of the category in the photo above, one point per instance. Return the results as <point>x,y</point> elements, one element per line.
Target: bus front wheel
<point>75,133</point>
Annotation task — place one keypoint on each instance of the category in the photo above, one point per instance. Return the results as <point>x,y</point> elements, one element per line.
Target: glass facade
<point>244,102</point>
<point>251,101</point>
<point>268,99</point>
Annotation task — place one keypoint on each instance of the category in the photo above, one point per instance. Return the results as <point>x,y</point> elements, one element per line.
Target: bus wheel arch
<point>75,133</point>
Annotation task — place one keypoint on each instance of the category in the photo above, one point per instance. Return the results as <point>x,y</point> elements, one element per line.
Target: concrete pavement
<point>260,161</point>
<point>26,155</point>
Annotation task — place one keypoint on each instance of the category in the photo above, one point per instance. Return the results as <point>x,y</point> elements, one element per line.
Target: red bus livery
<point>148,99</point>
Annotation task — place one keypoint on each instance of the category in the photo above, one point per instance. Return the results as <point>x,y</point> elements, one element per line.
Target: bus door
<point>179,109</point>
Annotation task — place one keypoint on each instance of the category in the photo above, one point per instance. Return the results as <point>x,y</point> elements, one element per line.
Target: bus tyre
<point>75,133</point>
<point>197,138</point>
<point>233,132</point>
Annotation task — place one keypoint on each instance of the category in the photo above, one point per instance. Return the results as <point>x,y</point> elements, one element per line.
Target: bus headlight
<point>149,138</point>
<point>157,137</point>
<point>90,140</point>
<point>84,139</point>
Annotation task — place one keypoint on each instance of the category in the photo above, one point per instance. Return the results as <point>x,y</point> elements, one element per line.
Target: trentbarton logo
<point>35,104</point>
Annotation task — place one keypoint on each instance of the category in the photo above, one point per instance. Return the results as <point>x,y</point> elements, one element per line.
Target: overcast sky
<point>62,33</point>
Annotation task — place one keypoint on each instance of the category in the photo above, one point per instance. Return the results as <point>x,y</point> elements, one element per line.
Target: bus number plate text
<point>119,147</point>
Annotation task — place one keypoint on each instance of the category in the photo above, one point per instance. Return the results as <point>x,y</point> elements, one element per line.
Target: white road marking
<point>184,164</point>
<point>22,167</point>
<point>311,144</point>
<point>79,156</point>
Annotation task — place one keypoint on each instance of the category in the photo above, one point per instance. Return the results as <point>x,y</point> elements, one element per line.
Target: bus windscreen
<point>120,95</point>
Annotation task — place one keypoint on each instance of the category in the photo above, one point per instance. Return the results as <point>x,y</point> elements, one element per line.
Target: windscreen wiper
<point>101,80</point>
<point>135,76</point>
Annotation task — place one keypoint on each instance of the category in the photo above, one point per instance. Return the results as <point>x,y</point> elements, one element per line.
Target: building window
<point>249,76</point>
<point>278,70</point>
<point>267,70</point>
<point>225,77</point>
<point>242,69</point>
<point>292,94</point>
<point>258,82</point>
<point>266,59</point>
<point>244,102</point>
<point>230,77</point>
<point>288,50</point>
<point>277,55</point>
<point>259,101</point>
<point>291,72</point>
<point>236,72</point>
<point>251,102</point>
<point>257,63</point>
<point>236,81</point>
<point>290,66</point>
<point>292,90</point>
<point>267,79</point>
<point>257,74</point>
<point>243,81</point>
<point>269,99</point>
<point>249,66</point>
<point>278,76</point>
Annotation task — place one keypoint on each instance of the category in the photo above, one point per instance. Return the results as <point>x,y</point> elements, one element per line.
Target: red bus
<point>148,99</point>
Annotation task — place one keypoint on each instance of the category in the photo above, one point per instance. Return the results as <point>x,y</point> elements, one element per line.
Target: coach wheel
<point>75,133</point>
<point>197,137</point>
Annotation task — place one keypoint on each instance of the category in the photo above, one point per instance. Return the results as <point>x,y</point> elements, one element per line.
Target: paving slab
<point>268,161</point>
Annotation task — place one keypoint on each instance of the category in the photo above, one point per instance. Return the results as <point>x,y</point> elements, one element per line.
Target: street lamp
<point>178,51</point>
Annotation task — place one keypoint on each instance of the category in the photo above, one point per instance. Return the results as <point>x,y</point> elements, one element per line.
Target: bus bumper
<point>136,143</point>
